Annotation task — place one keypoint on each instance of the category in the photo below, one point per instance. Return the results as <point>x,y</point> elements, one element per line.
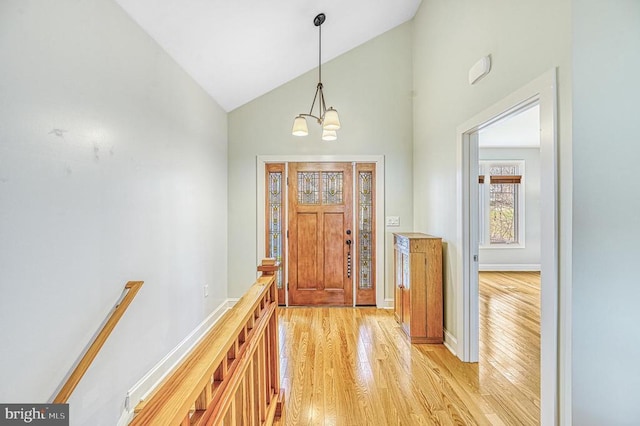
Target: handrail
<point>132,288</point>
<point>232,376</point>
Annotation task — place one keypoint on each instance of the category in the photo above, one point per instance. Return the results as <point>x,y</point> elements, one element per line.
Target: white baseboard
<point>125,418</point>
<point>510,267</point>
<point>450,342</point>
<point>232,301</point>
<point>149,381</point>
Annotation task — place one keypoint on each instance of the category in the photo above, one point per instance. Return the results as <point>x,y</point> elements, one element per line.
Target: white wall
<point>449,37</point>
<point>529,253</point>
<point>606,290</point>
<point>113,167</point>
<point>370,86</point>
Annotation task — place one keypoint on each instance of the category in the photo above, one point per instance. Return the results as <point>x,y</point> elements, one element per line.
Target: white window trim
<point>485,236</point>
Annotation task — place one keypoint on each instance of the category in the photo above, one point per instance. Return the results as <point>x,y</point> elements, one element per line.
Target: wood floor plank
<point>345,366</point>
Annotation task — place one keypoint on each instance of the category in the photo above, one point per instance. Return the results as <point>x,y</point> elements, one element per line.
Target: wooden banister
<point>232,376</point>
<point>132,288</point>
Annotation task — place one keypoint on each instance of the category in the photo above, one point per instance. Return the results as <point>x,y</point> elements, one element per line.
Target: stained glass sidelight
<point>365,218</point>
<point>274,248</point>
<point>308,188</point>
<point>331,187</point>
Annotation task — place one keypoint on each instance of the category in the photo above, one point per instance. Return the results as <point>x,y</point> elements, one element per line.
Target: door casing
<point>384,296</point>
<point>544,91</point>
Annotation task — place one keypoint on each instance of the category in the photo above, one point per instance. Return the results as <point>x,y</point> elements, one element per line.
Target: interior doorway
<point>509,255</point>
<point>541,91</point>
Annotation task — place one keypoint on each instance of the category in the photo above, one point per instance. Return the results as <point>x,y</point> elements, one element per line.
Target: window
<point>366,236</point>
<point>275,219</point>
<point>501,203</point>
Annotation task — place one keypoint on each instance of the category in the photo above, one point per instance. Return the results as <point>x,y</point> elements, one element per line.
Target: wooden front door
<point>320,220</point>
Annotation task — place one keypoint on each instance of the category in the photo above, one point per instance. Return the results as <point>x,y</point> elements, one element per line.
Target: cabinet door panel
<point>406,310</point>
<point>397,301</point>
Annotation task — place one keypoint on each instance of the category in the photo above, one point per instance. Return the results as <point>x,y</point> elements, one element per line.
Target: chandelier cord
<point>321,104</point>
<point>320,54</point>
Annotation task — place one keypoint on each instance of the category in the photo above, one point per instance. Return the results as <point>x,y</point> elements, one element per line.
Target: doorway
<point>509,255</point>
<point>320,219</point>
<point>320,236</point>
<point>543,92</point>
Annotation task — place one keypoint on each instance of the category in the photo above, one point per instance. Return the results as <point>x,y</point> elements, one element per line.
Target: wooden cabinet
<point>418,286</point>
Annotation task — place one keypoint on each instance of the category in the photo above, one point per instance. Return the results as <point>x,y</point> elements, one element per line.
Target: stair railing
<point>232,376</point>
<point>131,289</point>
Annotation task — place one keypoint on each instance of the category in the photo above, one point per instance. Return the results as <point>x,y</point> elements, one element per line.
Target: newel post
<point>268,266</point>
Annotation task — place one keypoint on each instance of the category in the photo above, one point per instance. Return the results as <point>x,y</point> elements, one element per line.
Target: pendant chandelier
<point>327,117</point>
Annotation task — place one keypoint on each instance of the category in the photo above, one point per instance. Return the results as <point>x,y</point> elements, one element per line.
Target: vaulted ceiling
<point>238,50</point>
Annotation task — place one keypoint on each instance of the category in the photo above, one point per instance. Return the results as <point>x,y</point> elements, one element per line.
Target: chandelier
<point>327,117</point>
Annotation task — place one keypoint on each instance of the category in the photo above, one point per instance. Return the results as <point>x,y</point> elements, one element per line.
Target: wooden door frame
<point>383,300</point>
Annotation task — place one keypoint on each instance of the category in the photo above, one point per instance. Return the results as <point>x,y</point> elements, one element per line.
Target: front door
<point>320,235</point>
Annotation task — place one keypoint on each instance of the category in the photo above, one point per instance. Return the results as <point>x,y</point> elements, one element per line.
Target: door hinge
<point>287,180</point>
<point>475,257</point>
<point>287,233</point>
<point>287,286</point>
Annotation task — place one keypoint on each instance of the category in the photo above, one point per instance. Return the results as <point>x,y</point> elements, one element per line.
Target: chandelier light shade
<point>326,117</point>
<point>329,135</point>
<point>300,126</point>
<point>331,120</point>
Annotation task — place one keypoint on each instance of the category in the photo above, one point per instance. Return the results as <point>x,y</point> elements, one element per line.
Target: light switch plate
<point>393,220</point>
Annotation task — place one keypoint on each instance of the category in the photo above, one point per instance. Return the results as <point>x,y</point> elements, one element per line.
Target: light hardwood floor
<point>345,366</point>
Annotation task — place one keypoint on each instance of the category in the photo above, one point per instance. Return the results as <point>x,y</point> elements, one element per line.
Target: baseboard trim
<point>232,301</point>
<point>509,267</point>
<point>450,342</point>
<point>387,304</point>
<point>152,379</point>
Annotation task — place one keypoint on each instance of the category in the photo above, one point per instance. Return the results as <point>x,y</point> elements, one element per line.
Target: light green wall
<point>606,229</point>
<point>370,86</point>
<point>525,39</point>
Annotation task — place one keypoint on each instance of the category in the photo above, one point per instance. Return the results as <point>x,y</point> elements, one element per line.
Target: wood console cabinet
<point>418,286</point>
